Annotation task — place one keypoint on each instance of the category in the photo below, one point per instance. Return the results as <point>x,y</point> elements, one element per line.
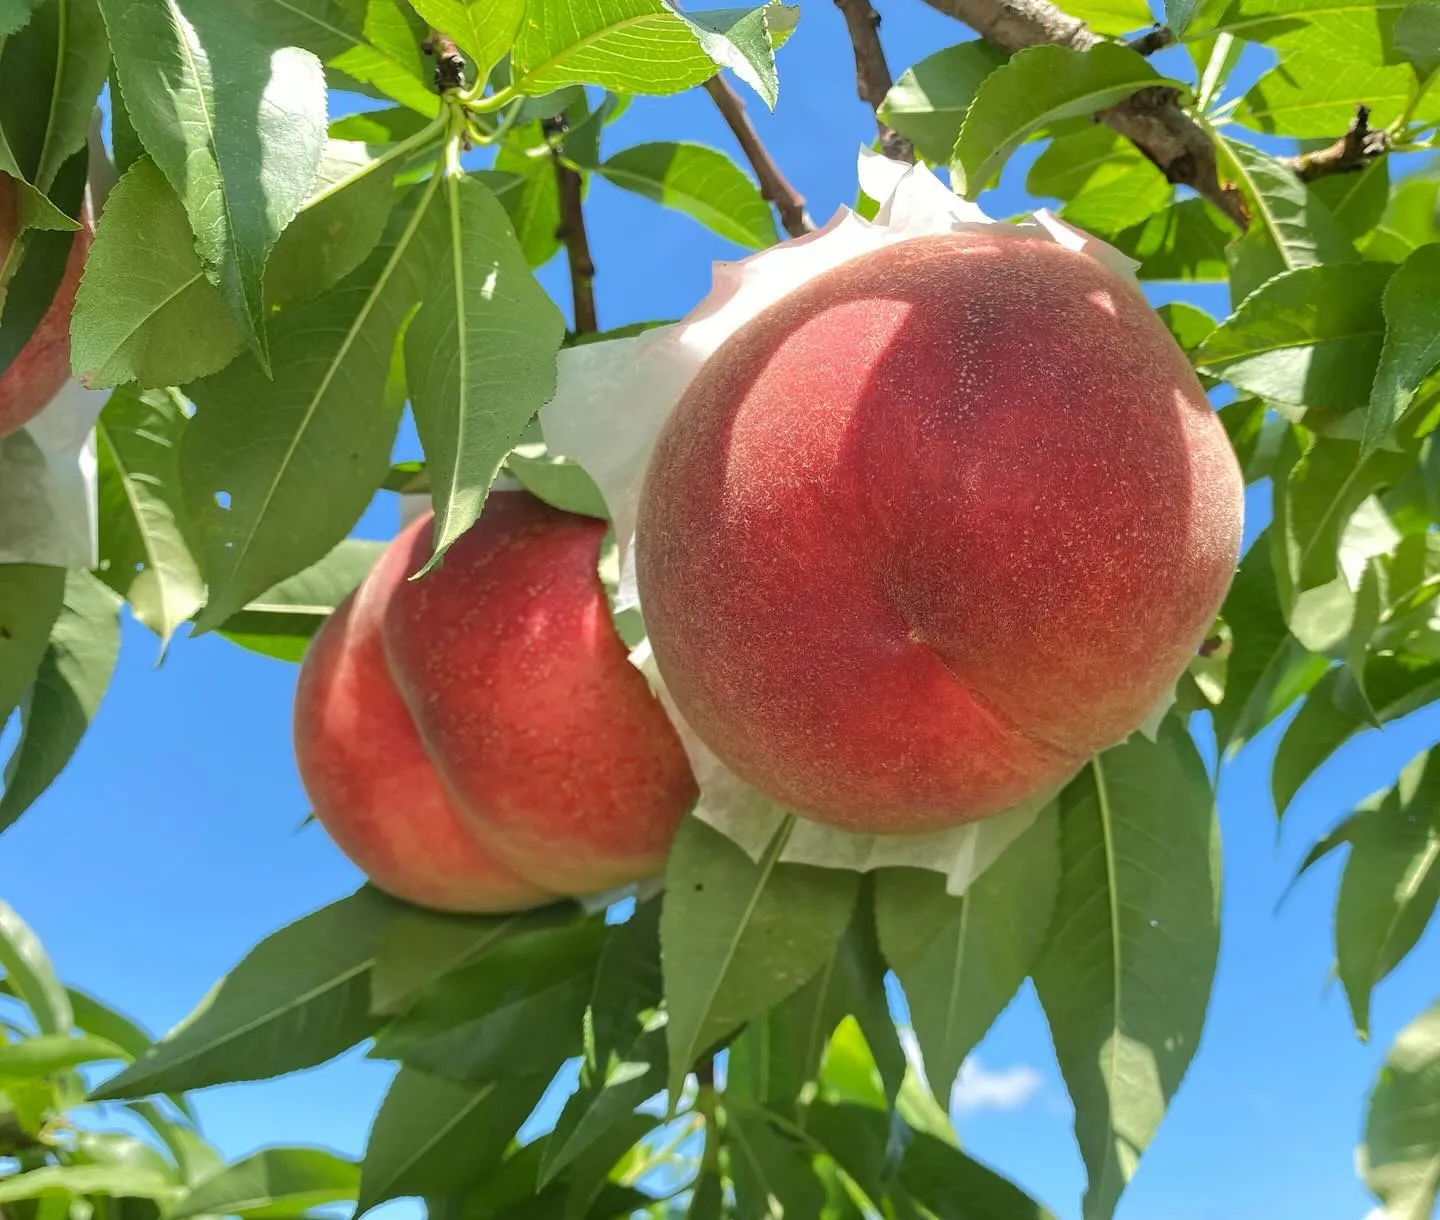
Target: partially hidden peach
<point>477,739</point>
<point>42,367</point>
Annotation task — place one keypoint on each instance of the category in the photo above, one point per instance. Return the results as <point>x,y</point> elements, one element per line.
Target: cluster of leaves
<point>72,1159</point>
<point>779,970</point>
<point>268,290</point>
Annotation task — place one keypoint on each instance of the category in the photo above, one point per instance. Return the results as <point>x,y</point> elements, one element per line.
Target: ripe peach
<point>477,739</point>
<point>925,534</point>
<point>35,376</point>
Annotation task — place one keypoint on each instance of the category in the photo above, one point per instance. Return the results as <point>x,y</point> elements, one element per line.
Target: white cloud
<point>977,1087</point>
<point>980,1088</point>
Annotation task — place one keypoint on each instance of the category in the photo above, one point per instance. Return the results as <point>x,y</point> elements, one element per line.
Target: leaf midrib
<point>1102,800</point>
<point>152,563</point>
<point>402,247</point>
<point>767,867</point>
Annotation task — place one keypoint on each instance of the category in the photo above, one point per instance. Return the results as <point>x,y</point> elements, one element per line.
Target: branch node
<point>449,63</point>
<point>1352,152</point>
<point>1156,39</point>
<point>872,73</point>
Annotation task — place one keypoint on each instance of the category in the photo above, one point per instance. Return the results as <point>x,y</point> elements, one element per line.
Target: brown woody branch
<point>449,63</point>
<point>572,233</point>
<point>788,202</point>
<point>1349,154</point>
<point>1151,119</point>
<point>872,73</point>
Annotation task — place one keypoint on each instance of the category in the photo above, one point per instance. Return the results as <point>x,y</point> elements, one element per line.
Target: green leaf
<point>69,685</point>
<point>272,491</point>
<point>145,312</point>
<point>624,1043</point>
<point>1313,95</point>
<point>47,1054</point>
<point>1411,351</point>
<point>1416,38</point>
<point>927,105</point>
<point>30,973</point>
<point>1396,684</point>
<point>556,480</point>
<point>275,1182</point>
<point>389,59</point>
<point>745,41</point>
<point>299,998</point>
<point>15,14</point>
<point>479,356</point>
<point>1411,220</point>
<point>236,125</point>
<point>517,1011</point>
<point>771,1169</point>
<point>484,29</point>
<point>339,225</point>
<point>1356,201</point>
<point>326,27</point>
<point>1041,85</point>
<point>956,1187</point>
<point>1390,885</point>
<point>700,182</point>
<point>1400,1155</point>
<point>780,1052</point>
<point>638,46</point>
<point>1189,324</point>
<point>1109,184</point>
<point>737,937</point>
<point>281,621</point>
<point>1368,611</point>
<point>1111,16</point>
<point>196,1159</point>
<point>962,959</point>
<point>1125,978</point>
<point>421,947</point>
<point>117,1181</point>
<point>1185,241</point>
<point>30,600</point>
<point>1269,668</point>
<point>1321,520</point>
<point>144,556</point>
<point>53,71</point>
<point>435,1137</point>
<point>96,1017</point>
<point>1310,337</point>
<point>1290,227</point>
<point>388,126</point>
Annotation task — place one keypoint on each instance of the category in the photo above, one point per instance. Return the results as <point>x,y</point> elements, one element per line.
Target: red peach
<point>931,530</point>
<point>36,375</point>
<point>372,786</point>
<point>526,700</point>
<point>476,739</point>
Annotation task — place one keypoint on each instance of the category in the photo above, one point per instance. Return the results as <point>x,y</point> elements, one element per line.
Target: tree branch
<point>449,63</point>
<point>572,233</point>
<point>872,73</point>
<point>788,202</point>
<point>1349,154</point>
<point>1151,119</point>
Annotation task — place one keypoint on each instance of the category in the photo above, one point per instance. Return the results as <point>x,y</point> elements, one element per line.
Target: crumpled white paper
<point>612,399</point>
<point>48,511</point>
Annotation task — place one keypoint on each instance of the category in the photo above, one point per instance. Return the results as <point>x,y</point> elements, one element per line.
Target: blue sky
<point>170,845</point>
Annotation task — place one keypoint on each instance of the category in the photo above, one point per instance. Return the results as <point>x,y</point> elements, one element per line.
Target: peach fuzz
<point>932,529</point>
<point>537,763</point>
